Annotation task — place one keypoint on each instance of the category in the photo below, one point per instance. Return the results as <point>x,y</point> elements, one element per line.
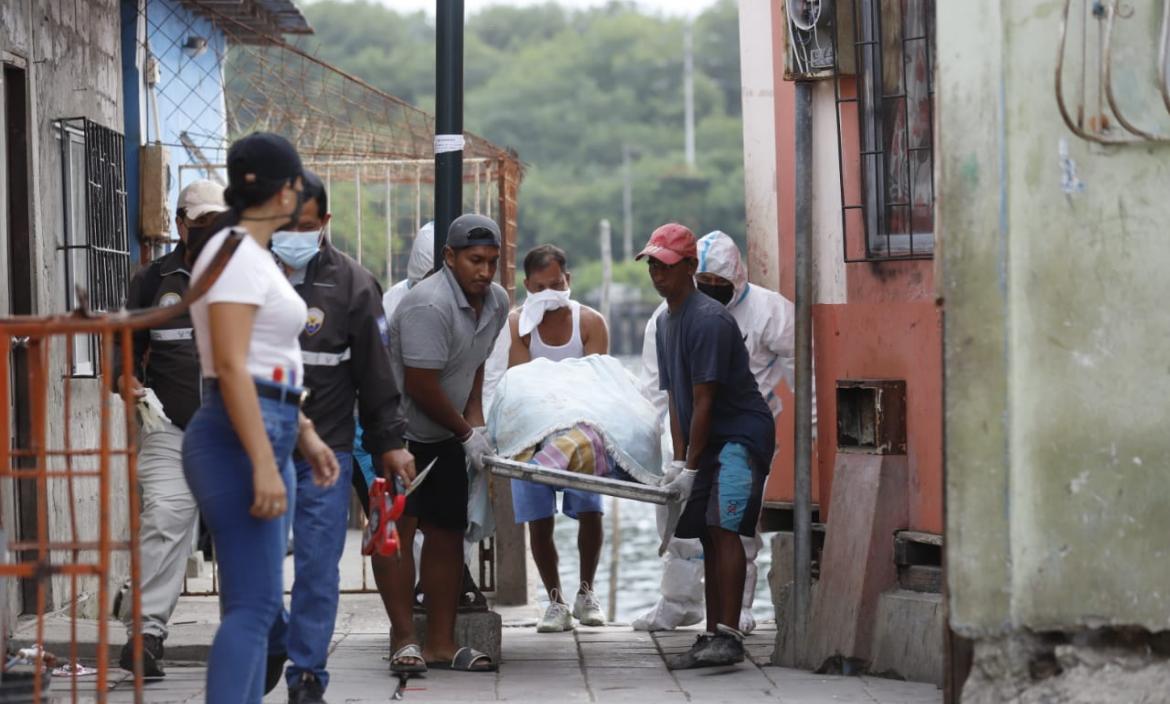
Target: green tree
<point>567,89</point>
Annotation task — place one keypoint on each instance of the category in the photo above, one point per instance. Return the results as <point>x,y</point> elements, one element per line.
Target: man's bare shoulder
<point>589,316</point>
<point>514,323</point>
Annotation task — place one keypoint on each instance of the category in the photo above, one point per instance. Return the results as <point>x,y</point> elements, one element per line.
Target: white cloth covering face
<point>537,304</point>
<point>252,277</point>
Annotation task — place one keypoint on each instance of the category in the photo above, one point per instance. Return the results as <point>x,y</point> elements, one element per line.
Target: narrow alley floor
<point>611,665</point>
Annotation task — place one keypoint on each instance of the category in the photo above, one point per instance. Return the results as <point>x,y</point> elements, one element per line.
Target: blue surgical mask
<point>296,249</point>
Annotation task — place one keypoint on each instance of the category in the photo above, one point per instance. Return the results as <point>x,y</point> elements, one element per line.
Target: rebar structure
<point>374,150</point>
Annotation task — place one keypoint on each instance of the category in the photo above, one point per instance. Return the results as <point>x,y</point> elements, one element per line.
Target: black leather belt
<point>285,394</point>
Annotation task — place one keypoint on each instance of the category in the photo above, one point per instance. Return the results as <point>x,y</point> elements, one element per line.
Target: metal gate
<point>62,468</point>
<point>378,206</point>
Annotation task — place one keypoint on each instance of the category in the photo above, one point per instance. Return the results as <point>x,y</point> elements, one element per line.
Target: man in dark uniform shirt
<point>344,345</point>
<point>166,374</point>
<point>723,435</point>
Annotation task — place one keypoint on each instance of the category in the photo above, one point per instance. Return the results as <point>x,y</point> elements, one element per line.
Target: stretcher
<point>634,491</point>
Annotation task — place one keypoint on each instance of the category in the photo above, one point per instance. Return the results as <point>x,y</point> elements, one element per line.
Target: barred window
<point>888,193</point>
<point>95,242</point>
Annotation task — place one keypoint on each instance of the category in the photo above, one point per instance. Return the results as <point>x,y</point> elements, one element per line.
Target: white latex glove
<point>476,446</point>
<point>150,410</point>
<point>683,483</point>
<point>674,469</point>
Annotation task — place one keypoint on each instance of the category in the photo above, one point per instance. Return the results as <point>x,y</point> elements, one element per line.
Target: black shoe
<point>152,657</point>
<point>689,659</point>
<point>117,610</point>
<point>307,690</point>
<point>725,648</point>
<point>274,671</point>
<point>471,598</point>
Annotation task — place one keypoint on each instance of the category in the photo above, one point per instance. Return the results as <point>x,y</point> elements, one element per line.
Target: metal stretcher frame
<point>634,491</point>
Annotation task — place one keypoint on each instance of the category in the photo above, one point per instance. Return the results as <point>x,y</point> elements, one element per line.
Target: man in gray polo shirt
<point>440,336</point>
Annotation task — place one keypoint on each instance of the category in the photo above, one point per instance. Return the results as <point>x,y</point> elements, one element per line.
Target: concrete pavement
<point>610,665</point>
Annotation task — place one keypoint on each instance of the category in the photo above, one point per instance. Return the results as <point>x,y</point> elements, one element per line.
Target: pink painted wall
<point>889,327</point>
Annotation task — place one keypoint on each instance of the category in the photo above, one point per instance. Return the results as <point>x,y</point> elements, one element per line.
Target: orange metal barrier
<point>33,465</point>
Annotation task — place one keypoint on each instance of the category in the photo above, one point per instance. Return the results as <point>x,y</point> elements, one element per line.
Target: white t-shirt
<point>252,276</point>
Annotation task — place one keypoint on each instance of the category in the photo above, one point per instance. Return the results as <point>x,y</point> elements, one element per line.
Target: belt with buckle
<point>285,394</point>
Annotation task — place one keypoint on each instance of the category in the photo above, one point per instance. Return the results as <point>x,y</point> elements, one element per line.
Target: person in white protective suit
<point>418,267</point>
<point>767,321</point>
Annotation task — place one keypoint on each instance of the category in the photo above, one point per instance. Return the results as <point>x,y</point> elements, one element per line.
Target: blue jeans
<point>250,551</point>
<point>319,525</point>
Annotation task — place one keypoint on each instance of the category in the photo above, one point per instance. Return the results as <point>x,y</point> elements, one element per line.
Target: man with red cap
<point>722,432</point>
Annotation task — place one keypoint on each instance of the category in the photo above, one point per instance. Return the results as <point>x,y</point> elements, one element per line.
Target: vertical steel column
<point>448,119</point>
<point>802,538</point>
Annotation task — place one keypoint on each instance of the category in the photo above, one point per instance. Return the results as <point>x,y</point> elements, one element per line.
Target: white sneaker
<point>587,609</point>
<point>557,618</point>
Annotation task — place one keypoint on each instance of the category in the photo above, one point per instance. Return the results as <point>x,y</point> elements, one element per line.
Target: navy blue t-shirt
<point>699,344</point>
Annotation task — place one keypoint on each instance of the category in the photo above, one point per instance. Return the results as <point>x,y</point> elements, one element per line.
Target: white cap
<point>201,197</point>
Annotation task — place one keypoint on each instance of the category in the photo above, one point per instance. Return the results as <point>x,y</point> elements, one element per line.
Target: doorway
<point>17,299</point>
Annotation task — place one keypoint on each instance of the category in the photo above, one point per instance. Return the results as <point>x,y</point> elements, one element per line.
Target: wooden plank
<point>921,578</point>
<point>920,537</point>
<point>911,552</point>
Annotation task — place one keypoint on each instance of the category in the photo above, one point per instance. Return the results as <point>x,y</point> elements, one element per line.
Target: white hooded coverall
<point>422,259</point>
<point>768,323</point>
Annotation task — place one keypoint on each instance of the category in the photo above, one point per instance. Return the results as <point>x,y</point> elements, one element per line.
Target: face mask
<point>296,249</point>
<point>720,292</point>
<point>537,304</point>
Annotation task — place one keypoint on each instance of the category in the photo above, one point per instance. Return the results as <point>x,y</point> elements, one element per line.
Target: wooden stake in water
<point>615,542</point>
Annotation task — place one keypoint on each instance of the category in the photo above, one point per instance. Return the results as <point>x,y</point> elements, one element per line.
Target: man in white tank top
<point>552,326</point>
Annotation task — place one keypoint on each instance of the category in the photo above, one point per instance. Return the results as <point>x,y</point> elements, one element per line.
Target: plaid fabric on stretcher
<point>579,449</point>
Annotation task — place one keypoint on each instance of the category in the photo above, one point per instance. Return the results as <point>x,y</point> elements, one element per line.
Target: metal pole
<point>627,206</point>
<point>802,539</point>
<point>448,119</point>
<point>606,269</point>
<point>503,467</point>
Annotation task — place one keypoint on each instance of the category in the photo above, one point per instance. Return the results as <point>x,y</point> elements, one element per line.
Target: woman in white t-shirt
<point>237,449</point>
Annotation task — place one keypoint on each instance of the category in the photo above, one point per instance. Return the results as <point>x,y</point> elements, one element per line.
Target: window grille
<point>887,193</point>
<point>96,247</point>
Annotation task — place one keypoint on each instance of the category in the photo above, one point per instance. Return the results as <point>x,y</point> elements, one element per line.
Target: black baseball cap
<point>263,158</point>
<point>473,230</point>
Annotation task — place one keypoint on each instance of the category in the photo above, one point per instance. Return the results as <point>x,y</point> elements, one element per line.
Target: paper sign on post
<point>448,143</point>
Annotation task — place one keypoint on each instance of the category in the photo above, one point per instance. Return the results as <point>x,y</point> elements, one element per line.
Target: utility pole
<point>802,503</point>
<point>606,268</point>
<point>689,91</point>
<point>448,119</point>
<point>627,206</point>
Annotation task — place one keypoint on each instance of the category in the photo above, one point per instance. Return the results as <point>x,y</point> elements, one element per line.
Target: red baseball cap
<point>670,244</point>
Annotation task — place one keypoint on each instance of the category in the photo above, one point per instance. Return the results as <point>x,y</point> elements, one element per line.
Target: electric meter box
<point>152,200</point>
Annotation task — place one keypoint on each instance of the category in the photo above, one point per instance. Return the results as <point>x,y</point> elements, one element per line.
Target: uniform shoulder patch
<point>383,329</point>
<point>314,320</point>
<point>169,299</point>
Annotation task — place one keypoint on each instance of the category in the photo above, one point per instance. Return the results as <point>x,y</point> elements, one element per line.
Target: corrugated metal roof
<point>253,21</point>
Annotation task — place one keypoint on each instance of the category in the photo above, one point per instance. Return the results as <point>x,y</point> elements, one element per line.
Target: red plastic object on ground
<point>382,530</point>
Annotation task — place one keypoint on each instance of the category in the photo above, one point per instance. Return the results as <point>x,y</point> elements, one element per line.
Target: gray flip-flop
<point>465,660</point>
<point>410,650</point>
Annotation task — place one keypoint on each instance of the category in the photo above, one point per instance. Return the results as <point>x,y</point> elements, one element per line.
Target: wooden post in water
<point>615,543</point>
